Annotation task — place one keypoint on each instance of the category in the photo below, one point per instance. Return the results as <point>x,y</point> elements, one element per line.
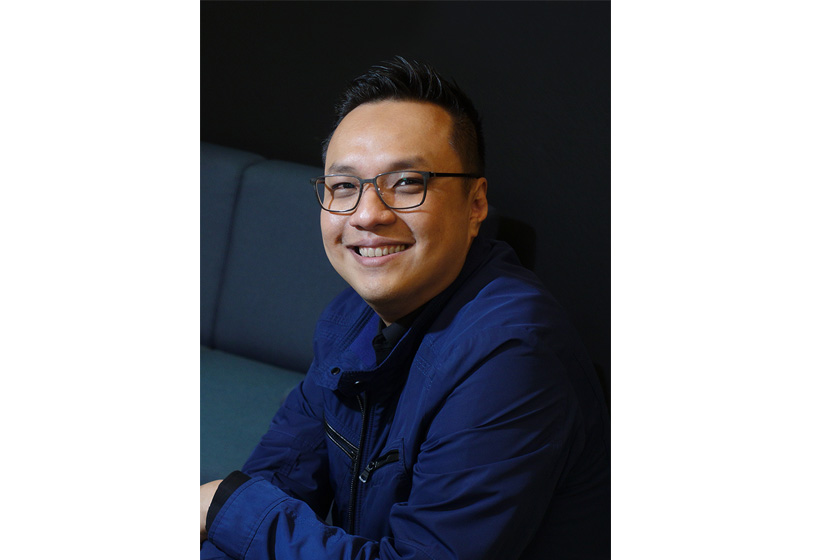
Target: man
<point>450,410</point>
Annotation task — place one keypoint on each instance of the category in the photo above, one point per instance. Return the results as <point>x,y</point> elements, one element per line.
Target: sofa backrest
<point>276,279</point>
<point>221,175</point>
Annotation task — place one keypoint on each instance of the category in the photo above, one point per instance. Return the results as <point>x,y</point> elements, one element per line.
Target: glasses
<point>398,190</point>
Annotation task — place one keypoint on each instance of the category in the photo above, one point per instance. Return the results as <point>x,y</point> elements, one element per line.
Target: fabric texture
<point>276,278</point>
<point>483,435</point>
<point>238,399</point>
<point>221,172</point>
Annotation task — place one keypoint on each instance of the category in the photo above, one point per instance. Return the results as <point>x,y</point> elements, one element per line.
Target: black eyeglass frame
<point>373,181</point>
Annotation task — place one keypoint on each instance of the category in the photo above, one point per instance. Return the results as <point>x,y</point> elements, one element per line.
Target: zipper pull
<point>391,457</point>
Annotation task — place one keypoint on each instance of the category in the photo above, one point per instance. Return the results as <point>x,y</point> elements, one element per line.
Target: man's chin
<point>379,297</point>
<point>388,303</point>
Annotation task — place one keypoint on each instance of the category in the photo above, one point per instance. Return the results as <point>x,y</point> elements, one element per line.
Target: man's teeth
<point>380,251</point>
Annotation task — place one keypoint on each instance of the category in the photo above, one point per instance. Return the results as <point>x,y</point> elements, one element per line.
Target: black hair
<point>409,80</point>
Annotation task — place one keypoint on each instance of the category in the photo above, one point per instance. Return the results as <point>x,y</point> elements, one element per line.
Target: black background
<point>538,72</point>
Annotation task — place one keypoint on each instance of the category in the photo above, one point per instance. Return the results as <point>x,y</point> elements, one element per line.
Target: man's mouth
<point>379,251</point>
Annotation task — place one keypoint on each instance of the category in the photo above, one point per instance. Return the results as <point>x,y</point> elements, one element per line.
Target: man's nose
<point>371,211</point>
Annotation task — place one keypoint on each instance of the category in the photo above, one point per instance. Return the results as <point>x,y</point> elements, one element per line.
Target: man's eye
<point>409,185</point>
<point>343,189</point>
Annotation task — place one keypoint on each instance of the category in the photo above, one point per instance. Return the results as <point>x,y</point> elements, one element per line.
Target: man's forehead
<point>354,164</point>
<point>396,118</point>
<point>390,136</point>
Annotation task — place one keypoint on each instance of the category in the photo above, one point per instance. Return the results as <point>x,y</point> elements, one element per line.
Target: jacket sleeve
<point>503,436</point>
<point>292,454</point>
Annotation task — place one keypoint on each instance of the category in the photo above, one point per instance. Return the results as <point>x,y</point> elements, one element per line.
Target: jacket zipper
<point>357,465</point>
<point>349,449</point>
<point>390,457</point>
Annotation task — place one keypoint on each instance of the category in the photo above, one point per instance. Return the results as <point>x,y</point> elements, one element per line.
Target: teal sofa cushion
<point>239,397</point>
<point>221,175</point>
<point>277,279</point>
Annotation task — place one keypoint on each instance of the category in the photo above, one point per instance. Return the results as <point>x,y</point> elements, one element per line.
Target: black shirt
<point>389,336</point>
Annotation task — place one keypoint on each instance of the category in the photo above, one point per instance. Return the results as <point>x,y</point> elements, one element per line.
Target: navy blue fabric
<point>221,171</point>
<point>490,415</point>
<point>277,278</point>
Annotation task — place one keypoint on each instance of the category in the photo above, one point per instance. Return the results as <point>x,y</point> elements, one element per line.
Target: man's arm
<point>290,456</point>
<point>482,483</point>
<point>208,490</point>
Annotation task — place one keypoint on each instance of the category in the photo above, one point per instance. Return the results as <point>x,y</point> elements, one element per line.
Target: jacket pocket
<point>344,444</point>
<point>392,456</point>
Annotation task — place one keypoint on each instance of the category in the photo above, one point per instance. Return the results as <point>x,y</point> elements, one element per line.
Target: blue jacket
<point>483,435</point>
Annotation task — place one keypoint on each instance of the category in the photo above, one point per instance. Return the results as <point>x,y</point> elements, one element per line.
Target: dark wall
<point>539,73</point>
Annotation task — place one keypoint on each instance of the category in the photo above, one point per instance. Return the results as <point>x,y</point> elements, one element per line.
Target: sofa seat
<point>238,400</point>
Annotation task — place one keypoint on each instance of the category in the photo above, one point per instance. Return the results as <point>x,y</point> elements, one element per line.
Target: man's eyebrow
<point>409,163</point>
<point>341,168</point>
<point>417,162</point>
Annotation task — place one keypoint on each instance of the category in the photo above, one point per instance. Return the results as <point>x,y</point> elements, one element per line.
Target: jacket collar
<point>351,368</point>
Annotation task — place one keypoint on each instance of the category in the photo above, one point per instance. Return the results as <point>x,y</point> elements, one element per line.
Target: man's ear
<point>478,205</point>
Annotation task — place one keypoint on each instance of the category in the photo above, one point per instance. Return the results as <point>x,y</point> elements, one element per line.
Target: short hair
<point>400,79</point>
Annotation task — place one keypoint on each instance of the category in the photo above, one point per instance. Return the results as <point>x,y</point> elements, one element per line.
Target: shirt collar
<point>388,337</point>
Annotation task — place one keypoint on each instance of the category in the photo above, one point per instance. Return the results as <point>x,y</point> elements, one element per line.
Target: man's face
<point>426,246</point>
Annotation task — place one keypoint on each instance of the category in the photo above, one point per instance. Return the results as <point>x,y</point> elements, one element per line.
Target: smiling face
<point>397,260</point>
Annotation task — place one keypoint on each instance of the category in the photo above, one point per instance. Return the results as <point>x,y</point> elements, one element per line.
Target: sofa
<point>264,281</point>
